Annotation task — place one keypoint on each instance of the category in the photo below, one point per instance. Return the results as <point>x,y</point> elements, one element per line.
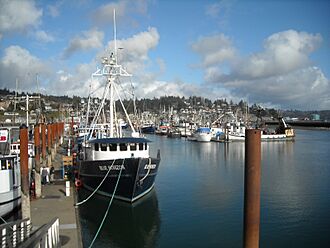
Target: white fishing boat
<point>10,177</point>
<point>281,133</point>
<point>203,134</point>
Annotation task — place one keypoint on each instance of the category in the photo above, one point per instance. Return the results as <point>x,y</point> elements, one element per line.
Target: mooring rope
<point>4,221</point>
<point>97,188</point>
<point>109,205</point>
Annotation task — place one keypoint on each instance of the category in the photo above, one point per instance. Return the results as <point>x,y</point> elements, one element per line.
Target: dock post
<point>49,145</point>
<point>67,188</point>
<point>252,176</point>
<point>53,144</point>
<point>37,177</point>
<point>43,137</point>
<point>24,163</point>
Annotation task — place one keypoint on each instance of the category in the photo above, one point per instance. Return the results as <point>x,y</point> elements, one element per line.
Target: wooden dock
<point>54,203</point>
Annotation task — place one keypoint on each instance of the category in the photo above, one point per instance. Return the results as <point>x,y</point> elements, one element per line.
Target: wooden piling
<point>37,176</point>
<point>43,138</point>
<point>252,177</point>
<point>24,163</point>
<point>49,145</point>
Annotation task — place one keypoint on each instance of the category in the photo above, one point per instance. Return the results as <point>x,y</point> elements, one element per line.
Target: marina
<point>198,197</point>
<point>185,131</point>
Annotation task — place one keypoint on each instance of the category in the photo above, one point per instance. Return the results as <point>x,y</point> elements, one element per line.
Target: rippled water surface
<point>198,197</point>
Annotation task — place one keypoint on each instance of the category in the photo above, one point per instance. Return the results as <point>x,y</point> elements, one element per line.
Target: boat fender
<point>78,183</point>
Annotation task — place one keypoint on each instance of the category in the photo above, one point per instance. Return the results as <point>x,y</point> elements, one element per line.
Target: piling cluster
<point>47,137</point>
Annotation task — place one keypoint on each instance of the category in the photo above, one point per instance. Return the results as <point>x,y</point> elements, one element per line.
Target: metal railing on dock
<point>20,234</point>
<point>13,234</point>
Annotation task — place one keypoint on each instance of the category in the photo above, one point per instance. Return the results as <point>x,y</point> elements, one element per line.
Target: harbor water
<point>198,197</point>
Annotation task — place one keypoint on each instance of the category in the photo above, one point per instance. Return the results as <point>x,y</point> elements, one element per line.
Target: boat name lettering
<point>150,166</point>
<point>111,167</point>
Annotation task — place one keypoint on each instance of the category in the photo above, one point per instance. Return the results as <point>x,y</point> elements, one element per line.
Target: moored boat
<point>203,134</point>
<point>116,165</point>
<point>10,177</point>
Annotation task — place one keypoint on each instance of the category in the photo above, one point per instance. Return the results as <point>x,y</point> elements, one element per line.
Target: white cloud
<point>135,50</point>
<point>214,49</point>
<point>283,52</point>
<point>104,14</point>
<point>42,36</point>
<point>282,74</point>
<point>90,39</point>
<point>54,9</point>
<point>125,8</point>
<point>219,11</point>
<point>17,15</point>
<point>71,82</point>
<point>17,62</point>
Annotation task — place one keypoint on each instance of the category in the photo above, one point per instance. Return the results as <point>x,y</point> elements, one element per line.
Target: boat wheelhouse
<point>128,158</point>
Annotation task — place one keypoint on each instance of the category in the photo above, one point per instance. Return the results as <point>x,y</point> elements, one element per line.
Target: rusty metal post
<point>52,127</point>
<point>252,176</point>
<point>49,145</point>
<point>43,137</point>
<point>55,137</point>
<point>24,163</point>
<point>37,177</point>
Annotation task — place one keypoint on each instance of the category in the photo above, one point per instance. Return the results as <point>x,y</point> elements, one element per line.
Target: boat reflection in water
<point>127,225</point>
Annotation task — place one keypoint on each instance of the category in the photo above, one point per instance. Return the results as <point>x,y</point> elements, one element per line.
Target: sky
<point>272,53</point>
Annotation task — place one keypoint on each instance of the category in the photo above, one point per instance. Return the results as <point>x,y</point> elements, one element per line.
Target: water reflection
<point>127,225</point>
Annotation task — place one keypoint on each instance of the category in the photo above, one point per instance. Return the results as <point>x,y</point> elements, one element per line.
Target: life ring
<point>78,183</point>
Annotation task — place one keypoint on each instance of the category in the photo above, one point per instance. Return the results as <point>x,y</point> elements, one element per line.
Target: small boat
<point>148,128</point>
<point>203,134</point>
<point>162,130</point>
<point>282,133</point>
<point>173,132</point>
<point>116,165</point>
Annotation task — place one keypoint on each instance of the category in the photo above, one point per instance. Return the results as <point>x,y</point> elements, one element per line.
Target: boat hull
<point>203,137</point>
<point>9,202</point>
<point>137,176</point>
<point>148,129</point>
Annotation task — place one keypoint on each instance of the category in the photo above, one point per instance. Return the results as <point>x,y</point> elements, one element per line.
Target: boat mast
<point>111,79</point>
<point>111,70</point>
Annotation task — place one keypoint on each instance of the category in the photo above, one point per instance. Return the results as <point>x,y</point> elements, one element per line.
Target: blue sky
<point>273,53</point>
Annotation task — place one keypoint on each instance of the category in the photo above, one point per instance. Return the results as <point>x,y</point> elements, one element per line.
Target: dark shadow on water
<point>127,225</point>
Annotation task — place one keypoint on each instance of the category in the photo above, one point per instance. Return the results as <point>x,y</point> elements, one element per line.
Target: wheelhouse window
<point>104,147</point>
<point>123,146</point>
<point>145,146</point>
<point>133,147</point>
<point>113,147</point>
<point>140,146</point>
<point>96,146</point>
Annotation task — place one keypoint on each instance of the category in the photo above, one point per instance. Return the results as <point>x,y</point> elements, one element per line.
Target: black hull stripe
<point>102,176</point>
<point>121,197</point>
<point>3,203</point>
